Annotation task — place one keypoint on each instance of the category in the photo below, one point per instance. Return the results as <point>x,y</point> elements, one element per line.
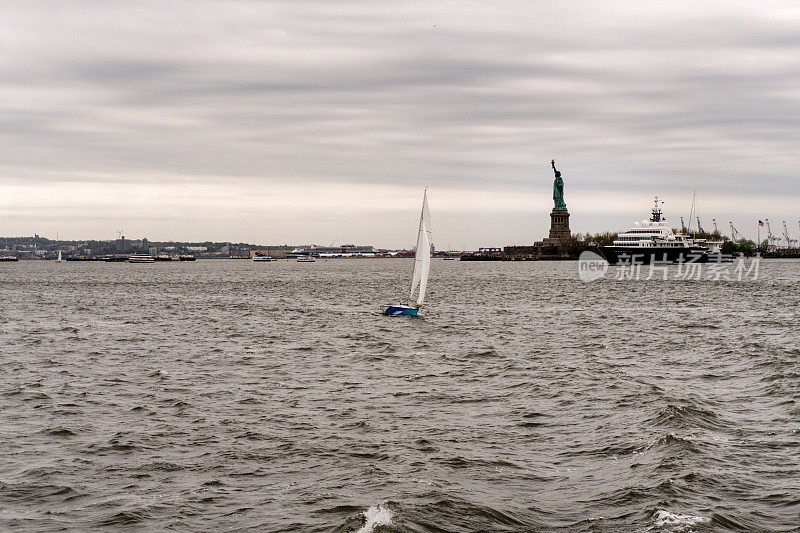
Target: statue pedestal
<point>559,226</point>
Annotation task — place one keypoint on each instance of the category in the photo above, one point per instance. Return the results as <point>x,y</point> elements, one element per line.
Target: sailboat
<point>422,267</point>
<point>59,257</point>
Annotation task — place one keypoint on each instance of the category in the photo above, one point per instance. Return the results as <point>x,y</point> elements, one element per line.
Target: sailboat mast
<point>417,273</point>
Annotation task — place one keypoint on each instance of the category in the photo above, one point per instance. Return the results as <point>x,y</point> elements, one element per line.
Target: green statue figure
<point>558,190</point>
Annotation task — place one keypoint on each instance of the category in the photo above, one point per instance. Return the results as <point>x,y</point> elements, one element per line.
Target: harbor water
<point>240,396</point>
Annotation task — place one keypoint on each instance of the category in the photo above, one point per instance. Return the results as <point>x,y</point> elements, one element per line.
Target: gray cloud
<point>241,97</point>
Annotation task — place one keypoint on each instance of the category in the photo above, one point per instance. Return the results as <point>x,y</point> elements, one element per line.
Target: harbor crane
<point>789,240</point>
<point>770,237</point>
<point>735,235</point>
<point>796,241</point>
<point>699,226</point>
<point>683,226</point>
<point>716,229</point>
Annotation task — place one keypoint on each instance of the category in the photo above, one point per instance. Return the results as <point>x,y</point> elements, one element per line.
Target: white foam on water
<point>376,516</point>
<point>678,522</point>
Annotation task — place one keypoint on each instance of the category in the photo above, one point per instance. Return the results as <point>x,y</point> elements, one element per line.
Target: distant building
<point>153,251</point>
<point>269,252</point>
<point>122,244</point>
<point>197,248</point>
<point>490,251</point>
<point>344,249</point>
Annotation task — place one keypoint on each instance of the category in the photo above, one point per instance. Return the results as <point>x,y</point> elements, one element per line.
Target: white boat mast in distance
<point>422,257</point>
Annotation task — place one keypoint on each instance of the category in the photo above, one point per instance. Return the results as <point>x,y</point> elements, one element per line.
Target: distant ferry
<point>654,241</point>
<point>140,258</point>
<point>9,258</point>
<point>186,257</point>
<point>306,259</point>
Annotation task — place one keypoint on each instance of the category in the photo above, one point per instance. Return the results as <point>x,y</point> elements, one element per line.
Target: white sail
<point>59,257</point>
<point>422,258</point>
<point>425,267</point>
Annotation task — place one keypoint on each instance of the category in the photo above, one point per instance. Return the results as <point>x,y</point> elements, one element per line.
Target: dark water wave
<point>231,395</point>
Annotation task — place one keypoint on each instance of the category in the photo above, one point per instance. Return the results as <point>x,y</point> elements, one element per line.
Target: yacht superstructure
<point>654,240</point>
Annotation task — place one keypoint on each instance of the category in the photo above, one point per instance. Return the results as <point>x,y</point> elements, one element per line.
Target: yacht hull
<point>649,255</point>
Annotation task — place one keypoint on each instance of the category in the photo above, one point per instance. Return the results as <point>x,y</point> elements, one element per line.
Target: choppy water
<point>232,395</point>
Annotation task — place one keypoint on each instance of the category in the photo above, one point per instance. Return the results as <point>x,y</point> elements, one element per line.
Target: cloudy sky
<point>321,121</point>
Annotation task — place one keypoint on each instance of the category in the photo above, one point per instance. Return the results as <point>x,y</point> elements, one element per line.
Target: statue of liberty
<point>558,190</point>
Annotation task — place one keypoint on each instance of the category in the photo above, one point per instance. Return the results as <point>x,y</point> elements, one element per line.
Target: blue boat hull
<point>400,310</point>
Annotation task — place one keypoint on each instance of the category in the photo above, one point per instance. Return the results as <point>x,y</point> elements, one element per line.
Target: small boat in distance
<point>186,257</point>
<point>306,259</point>
<point>7,258</point>
<point>140,258</point>
<point>422,266</point>
<point>58,259</point>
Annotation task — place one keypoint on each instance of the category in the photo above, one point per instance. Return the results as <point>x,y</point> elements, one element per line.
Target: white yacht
<point>654,240</point>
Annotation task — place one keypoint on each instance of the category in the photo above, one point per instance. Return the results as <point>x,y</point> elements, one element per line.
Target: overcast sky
<point>321,121</point>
